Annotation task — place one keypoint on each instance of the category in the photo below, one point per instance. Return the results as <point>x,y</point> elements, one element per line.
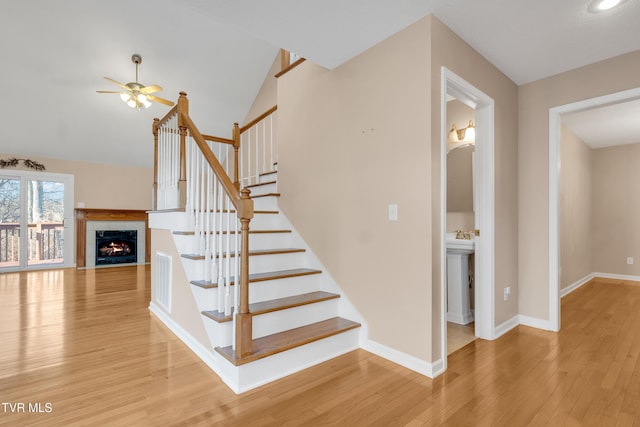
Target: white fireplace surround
<point>93,226</point>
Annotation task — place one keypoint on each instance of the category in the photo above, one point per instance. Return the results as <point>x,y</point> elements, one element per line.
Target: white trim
<point>555,120</point>
<point>506,326</point>
<point>420,366</point>
<point>453,85</point>
<point>572,287</point>
<point>617,276</point>
<point>210,358</point>
<point>534,322</point>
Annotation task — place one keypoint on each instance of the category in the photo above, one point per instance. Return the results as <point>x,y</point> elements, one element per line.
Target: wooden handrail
<point>167,116</point>
<point>258,119</point>
<point>217,139</point>
<point>217,168</point>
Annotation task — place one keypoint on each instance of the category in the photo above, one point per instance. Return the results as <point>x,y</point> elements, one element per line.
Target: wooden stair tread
<point>268,173</point>
<point>262,277</point>
<point>191,233</point>
<point>269,306</point>
<point>282,341</point>
<point>252,253</point>
<point>260,184</point>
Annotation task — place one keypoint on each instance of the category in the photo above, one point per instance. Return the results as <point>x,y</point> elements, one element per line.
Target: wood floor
<point>81,348</point>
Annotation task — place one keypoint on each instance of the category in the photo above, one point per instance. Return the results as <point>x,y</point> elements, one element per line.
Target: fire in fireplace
<point>116,246</point>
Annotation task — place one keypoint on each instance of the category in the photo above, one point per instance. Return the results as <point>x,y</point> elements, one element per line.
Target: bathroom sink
<point>460,245</point>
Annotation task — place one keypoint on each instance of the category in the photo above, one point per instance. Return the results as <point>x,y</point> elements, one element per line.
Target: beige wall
<point>535,100</point>
<point>576,228</point>
<point>352,141</point>
<point>451,51</point>
<point>267,95</point>
<point>616,209</point>
<point>367,134</point>
<point>184,309</point>
<point>100,185</point>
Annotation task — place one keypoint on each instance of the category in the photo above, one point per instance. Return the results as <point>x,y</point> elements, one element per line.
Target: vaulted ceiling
<point>55,55</point>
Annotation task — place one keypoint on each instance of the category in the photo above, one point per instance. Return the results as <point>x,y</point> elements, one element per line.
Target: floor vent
<point>163,280</point>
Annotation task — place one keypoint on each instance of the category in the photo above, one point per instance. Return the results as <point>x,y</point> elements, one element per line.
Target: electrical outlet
<point>507,292</point>
<point>630,260</point>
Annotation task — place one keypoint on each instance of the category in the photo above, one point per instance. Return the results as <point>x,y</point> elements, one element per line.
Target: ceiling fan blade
<point>108,91</point>
<point>117,83</point>
<point>150,89</point>
<point>160,100</point>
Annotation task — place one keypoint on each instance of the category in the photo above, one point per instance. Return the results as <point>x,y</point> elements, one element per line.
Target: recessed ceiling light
<point>604,5</point>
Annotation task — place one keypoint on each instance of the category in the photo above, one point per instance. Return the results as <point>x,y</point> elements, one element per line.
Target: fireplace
<point>116,246</point>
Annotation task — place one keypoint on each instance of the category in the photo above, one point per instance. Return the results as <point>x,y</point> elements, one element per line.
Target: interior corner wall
<point>535,99</point>
<point>576,195</point>
<point>267,96</point>
<point>451,51</point>
<point>101,185</point>
<point>616,209</point>
<point>352,141</point>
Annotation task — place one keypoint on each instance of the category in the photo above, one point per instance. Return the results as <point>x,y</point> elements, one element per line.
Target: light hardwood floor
<point>84,346</point>
<point>459,335</point>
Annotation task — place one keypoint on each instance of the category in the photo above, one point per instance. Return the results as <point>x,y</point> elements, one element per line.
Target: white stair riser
<point>188,244</point>
<point>276,262</point>
<point>220,334</point>
<point>277,321</point>
<point>281,288</point>
<point>269,203</point>
<point>268,177</point>
<point>207,298</point>
<point>195,269</point>
<point>268,222</point>
<point>265,370</point>
<point>168,220</point>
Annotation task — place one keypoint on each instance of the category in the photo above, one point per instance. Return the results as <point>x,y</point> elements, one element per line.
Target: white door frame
<point>555,120</point>
<point>455,86</point>
<point>69,222</point>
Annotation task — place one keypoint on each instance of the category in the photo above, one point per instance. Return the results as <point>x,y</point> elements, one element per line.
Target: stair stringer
<point>346,308</point>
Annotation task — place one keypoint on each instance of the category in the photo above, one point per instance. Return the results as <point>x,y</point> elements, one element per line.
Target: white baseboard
<point>534,322</point>
<point>617,276</point>
<point>207,356</point>
<point>572,287</point>
<point>420,366</point>
<point>505,327</point>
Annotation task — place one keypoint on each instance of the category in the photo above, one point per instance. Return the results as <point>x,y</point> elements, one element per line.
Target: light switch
<point>393,212</point>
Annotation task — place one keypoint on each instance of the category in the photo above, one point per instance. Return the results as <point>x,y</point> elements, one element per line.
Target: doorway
<point>36,211</point>
<point>457,88</point>
<point>555,120</point>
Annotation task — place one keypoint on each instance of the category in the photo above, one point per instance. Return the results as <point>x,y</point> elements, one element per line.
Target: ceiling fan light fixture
<point>137,95</point>
<point>143,100</point>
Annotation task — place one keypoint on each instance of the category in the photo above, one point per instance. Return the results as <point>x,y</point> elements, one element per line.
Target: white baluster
<point>220,253</point>
<point>227,300</point>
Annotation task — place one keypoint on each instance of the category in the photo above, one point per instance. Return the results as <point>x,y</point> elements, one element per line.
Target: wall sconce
<point>461,137</point>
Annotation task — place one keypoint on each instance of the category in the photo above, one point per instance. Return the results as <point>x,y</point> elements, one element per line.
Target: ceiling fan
<point>135,94</point>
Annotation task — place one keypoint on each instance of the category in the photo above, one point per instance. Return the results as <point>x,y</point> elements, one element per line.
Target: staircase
<point>295,307</point>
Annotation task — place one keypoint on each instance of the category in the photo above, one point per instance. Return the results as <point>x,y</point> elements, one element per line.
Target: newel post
<point>183,110</point>
<point>236,152</point>
<point>154,129</point>
<point>244,321</point>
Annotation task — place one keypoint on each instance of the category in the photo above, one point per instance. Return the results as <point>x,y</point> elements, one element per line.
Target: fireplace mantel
<point>83,215</point>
